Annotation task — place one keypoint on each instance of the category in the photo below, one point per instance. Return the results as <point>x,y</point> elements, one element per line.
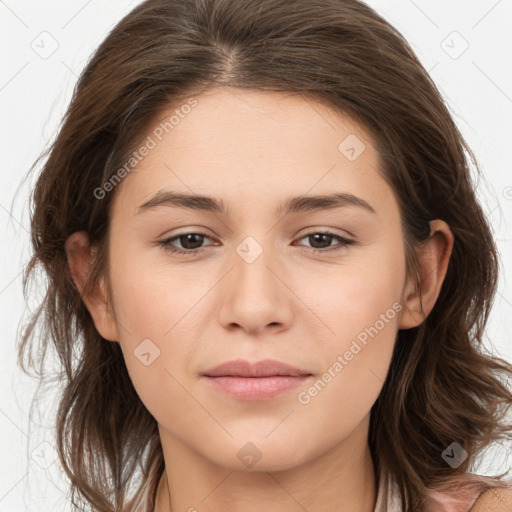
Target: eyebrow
<point>291,205</point>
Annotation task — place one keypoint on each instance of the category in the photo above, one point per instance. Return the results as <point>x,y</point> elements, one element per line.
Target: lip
<point>264,368</point>
<point>255,381</point>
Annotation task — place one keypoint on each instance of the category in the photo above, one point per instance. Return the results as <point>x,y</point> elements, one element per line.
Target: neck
<point>341,479</point>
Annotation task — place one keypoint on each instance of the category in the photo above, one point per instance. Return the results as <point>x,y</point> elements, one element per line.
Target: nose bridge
<point>253,258</point>
<point>255,297</point>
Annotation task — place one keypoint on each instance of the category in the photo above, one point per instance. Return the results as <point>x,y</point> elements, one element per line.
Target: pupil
<point>190,238</point>
<point>318,235</point>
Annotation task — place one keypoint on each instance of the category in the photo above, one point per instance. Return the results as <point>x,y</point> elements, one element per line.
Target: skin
<point>497,500</point>
<point>254,150</point>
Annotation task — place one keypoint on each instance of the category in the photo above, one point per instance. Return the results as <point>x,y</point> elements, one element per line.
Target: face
<point>316,284</point>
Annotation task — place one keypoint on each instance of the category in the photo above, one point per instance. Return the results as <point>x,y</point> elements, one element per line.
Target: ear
<point>420,296</point>
<point>80,257</point>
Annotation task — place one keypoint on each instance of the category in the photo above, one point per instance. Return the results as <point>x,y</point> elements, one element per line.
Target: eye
<point>192,243</point>
<point>324,239</point>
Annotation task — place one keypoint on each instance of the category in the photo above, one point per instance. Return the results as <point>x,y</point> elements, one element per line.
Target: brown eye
<point>189,243</point>
<point>321,241</point>
<point>191,240</point>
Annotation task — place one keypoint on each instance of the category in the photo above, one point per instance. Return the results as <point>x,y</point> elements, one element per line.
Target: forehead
<point>245,146</point>
<point>245,123</point>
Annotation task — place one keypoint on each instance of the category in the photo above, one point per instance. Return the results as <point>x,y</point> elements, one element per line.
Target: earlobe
<point>80,256</point>
<point>433,258</point>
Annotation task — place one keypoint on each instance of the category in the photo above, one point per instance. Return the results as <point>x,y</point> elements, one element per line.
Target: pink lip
<point>264,368</point>
<point>258,381</point>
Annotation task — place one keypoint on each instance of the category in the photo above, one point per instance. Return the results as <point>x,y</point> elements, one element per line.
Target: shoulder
<point>494,500</point>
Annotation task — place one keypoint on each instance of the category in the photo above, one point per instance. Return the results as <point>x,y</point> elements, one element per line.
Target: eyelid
<point>343,242</point>
<point>331,231</point>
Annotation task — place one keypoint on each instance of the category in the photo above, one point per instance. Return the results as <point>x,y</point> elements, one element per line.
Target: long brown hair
<point>441,386</point>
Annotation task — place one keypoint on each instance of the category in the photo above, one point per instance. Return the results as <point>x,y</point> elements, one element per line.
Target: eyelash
<point>344,242</point>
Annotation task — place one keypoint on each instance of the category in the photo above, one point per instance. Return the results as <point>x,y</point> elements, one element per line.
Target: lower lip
<point>256,388</point>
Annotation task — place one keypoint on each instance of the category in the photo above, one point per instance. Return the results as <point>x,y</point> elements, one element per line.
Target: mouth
<point>255,381</point>
<point>264,368</point>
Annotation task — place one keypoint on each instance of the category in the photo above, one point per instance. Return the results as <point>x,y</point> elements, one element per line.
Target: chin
<point>255,456</point>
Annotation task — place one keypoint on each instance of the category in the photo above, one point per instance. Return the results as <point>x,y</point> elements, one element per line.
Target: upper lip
<point>264,368</point>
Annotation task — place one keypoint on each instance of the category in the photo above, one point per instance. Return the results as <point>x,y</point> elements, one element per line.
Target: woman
<point>262,285</point>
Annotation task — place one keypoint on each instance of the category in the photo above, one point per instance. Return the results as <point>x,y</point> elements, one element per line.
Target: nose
<point>255,295</point>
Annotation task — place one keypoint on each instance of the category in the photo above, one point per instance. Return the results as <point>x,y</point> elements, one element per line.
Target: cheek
<point>356,361</point>
<point>362,310</point>
<point>165,393</point>
<point>355,294</point>
<point>157,309</point>
<point>152,298</point>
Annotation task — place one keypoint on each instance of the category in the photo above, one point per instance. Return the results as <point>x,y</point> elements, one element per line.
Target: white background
<point>35,91</point>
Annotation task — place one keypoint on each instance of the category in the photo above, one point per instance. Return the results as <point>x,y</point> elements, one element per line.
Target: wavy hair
<point>441,386</point>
